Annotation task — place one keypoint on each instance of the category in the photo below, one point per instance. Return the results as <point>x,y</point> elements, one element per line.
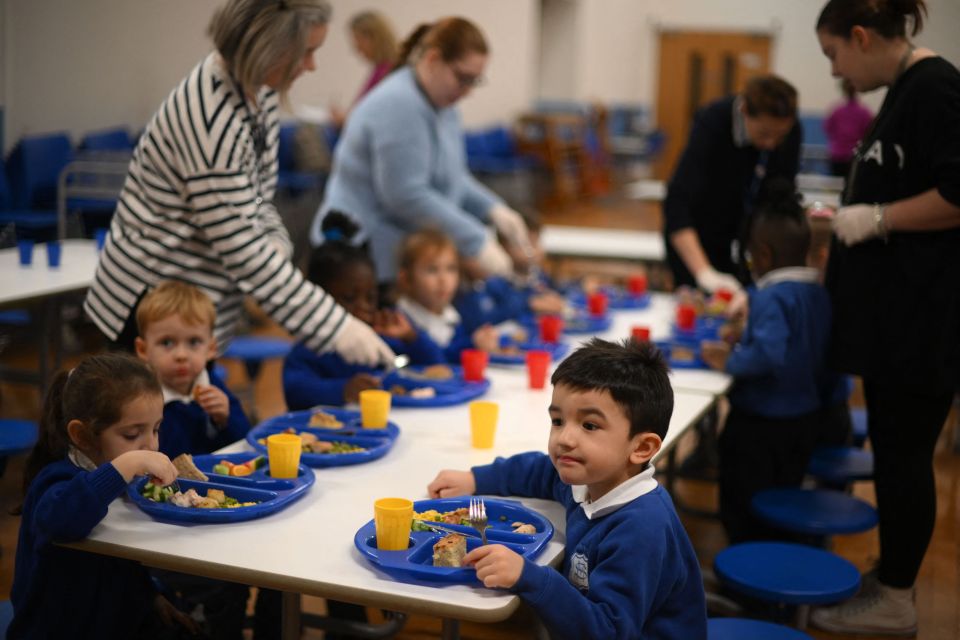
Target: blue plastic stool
<point>816,512</point>
<point>6,616</point>
<point>744,629</point>
<point>253,350</point>
<point>787,574</point>
<point>839,466</point>
<point>16,436</point>
<point>858,423</point>
<point>220,371</point>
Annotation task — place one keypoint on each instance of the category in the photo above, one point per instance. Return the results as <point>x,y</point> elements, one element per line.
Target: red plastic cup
<point>537,364</point>
<point>474,363</point>
<point>640,333</point>
<point>550,328</point>
<point>597,303</point>
<point>686,317</point>
<point>637,284</point>
<point>724,294</point>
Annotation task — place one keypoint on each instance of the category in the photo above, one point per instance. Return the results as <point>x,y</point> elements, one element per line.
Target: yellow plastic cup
<point>483,423</point>
<point>283,453</point>
<point>374,408</point>
<point>393,517</point>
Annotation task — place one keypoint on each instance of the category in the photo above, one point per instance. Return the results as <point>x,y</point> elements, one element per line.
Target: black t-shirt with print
<point>896,304</point>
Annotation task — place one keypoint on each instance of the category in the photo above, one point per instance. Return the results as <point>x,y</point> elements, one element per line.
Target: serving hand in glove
<point>358,343</point>
<point>511,226</point>
<point>860,222</point>
<point>491,261</point>
<point>709,279</point>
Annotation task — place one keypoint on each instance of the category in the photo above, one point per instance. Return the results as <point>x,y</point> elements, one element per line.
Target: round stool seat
<point>17,436</point>
<point>858,424</point>
<point>787,573</point>
<point>744,629</point>
<point>220,372</point>
<point>840,465</point>
<point>820,512</point>
<point>257,348</point>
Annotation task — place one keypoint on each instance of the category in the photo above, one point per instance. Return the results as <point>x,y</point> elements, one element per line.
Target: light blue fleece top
<point>400,166</point>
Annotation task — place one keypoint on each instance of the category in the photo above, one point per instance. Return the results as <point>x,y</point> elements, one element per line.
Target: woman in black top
<point>894,278</point>
<point>736,144</point>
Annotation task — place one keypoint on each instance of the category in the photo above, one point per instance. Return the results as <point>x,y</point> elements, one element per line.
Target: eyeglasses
<point>467,80</point>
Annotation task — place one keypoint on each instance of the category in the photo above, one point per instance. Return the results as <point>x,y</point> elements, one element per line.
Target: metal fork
<point>477,514</point>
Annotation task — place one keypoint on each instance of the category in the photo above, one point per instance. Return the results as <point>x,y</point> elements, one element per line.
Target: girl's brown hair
<point>376,29</point>
<point>421,243</point>
<point>95,393</point>
<point>453,37</point>
<point>887,17</point>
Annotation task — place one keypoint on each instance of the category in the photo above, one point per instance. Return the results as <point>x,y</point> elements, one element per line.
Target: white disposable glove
<point>511,225</point>
<point>857,223</point>
<point>359,344</point>
<point>493,259</point>
<point>709,279</point>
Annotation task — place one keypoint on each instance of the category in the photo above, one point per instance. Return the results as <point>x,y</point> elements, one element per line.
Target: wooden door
<point>697,68</point>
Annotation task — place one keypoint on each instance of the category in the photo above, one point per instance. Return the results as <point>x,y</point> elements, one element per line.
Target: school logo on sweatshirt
<point>579,568</point>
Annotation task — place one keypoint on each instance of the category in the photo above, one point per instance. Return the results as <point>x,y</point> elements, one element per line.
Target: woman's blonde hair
<point>254,36</point>
<point>376,29</point>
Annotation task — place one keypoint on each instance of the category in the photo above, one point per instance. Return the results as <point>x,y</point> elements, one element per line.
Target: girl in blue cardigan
<point>99,430</point>
<point>347,273</point>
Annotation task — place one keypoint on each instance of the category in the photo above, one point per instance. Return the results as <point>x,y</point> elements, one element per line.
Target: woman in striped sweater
<point>197,202</point>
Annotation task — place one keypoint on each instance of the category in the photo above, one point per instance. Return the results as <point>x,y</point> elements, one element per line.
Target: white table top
<point>308,548</point>
<point>603,243</point>
<point>78,263</point>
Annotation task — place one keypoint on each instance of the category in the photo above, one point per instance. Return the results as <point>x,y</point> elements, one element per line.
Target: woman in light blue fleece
<point>400,165</point>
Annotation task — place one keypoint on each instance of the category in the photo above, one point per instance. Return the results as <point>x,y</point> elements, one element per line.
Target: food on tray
<point>324,420</point>
<point>187,469</point>
<point>419,392</point>
<point>520,336</point>
<point>508,350</point>
<point>215,498</point>
<point>457,516</point>
<point>227,468</point>
<point>523,527</point>
<point>438,372</point>
<point>449,551</point>
<point>682,354</point>
<point>313,444</point>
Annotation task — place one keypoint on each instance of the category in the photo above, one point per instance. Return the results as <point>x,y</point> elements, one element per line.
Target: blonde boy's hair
<point>422,243</point>
<point>174,297</point>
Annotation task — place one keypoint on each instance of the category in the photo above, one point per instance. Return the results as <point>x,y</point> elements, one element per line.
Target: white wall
<point>84,65</point>
<point>559,49</point>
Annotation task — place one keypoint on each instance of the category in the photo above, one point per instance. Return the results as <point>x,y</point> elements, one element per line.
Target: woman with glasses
<point>197,204</point>
<point>400,165</point>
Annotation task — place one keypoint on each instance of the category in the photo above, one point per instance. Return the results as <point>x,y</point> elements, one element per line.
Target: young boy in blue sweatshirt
<point>778,367</point>
<point>629,570</point>
<point>347,273</point>
<point>200,415</point>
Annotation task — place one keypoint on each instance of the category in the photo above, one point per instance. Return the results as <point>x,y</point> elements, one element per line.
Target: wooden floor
<point>938,586</point>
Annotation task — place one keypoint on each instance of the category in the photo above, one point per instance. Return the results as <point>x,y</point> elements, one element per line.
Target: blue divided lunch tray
<point>376,442</point>
<point>416,562</point>
<point>581,323</point>
<point>270,494</point>
<point>556,350</point>
<point>669,350</point>
<point>706,328</point>
<point>449,392</point>
<point>618,298</point>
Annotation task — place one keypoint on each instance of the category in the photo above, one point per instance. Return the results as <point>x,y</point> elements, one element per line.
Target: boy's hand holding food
<point>497,566</point>
<point>486,338</point>
<point>715,353</point>
<point>145,463</point>
<point>450,483</point>
<point>214,402</point>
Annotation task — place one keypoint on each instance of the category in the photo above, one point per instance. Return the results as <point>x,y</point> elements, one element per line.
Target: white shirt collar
<point>169,395</point>
<point>439,326</point>
<point>80,459</point>
<point>788,274</point>
<point>638,485</point>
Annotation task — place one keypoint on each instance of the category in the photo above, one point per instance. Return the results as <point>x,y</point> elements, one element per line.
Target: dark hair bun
<point>338,227</point>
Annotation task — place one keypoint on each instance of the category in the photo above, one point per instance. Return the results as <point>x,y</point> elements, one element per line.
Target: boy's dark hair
<point>633,373</point>
<point>331,259</point>
<point>781,224</point>
<point>770,95</point>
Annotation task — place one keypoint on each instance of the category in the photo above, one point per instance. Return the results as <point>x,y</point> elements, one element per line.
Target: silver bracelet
<point>880,220</point>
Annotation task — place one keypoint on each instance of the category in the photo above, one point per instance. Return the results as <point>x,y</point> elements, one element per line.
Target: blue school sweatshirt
<point>310,379</point>
<point>629,570</point>
<point>186,427</point>
<point>779,365</point>
<point>63,593</point>
<point>491,301</point>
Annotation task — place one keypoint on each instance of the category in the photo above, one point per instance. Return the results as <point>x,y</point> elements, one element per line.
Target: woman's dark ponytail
<point>52,440</point>
<point>887,17</point>
<point>408,46</point>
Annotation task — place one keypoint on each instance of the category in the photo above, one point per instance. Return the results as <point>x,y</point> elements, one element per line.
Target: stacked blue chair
<point>787,574</point>
<point>745,629</point>
<point>16,436</point>
<point>288,176</point>
<point>494,151</point>
<point>34,168</point>
<point>858,424</point>
<point>116,139</point>
<point>839,466</point>
<point>25,222</point>
<point>252,351</point>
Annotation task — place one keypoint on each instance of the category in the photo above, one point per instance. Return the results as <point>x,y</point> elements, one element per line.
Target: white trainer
<point>876,610</point>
